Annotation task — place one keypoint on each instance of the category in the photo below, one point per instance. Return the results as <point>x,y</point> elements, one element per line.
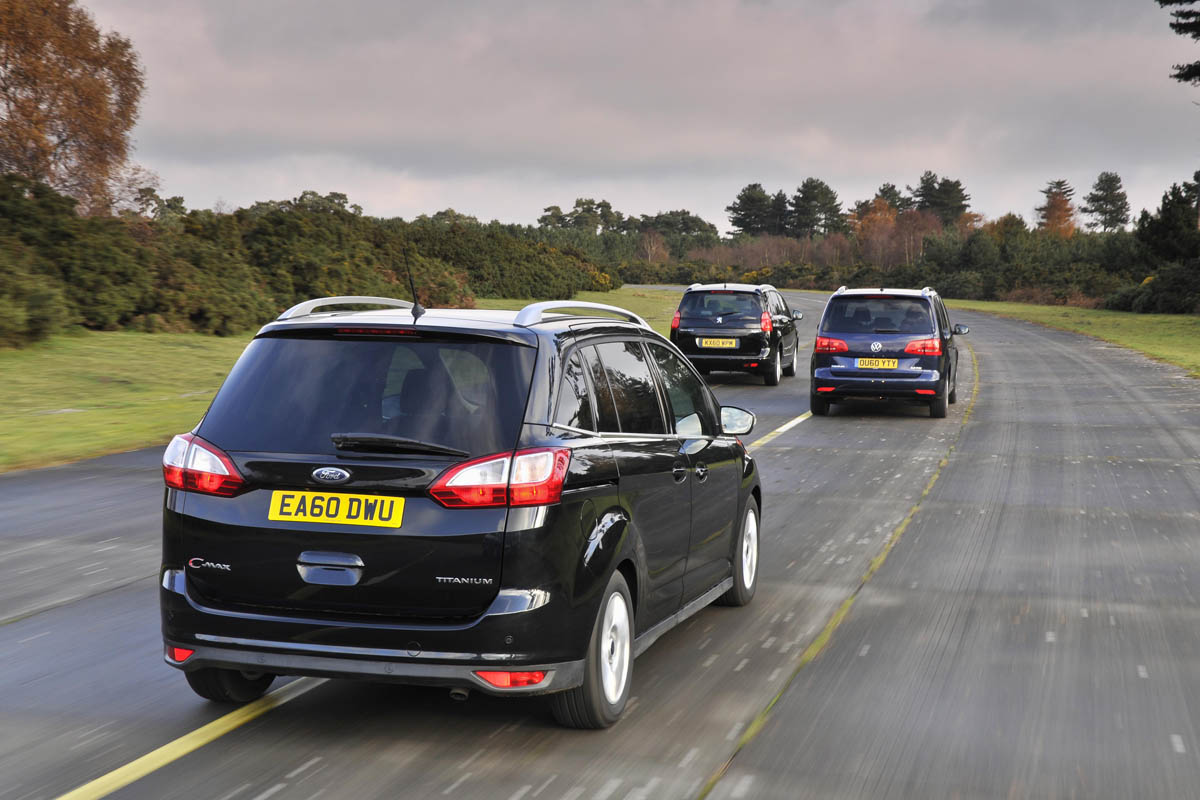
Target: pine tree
<point>943,197</point>
<point>1107,204</point>
<point>1057,216</point>
<point>751,211</point>
<point>1187,23</point>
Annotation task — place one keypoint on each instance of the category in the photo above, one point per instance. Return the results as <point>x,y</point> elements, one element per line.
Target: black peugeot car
<point>512,502</point>
<point>737,327</point>
<point>896,344</point>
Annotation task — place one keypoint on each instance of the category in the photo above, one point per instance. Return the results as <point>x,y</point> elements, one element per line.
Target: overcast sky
<point>497,109</point>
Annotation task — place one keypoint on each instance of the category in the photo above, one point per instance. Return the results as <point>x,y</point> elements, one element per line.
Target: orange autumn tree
<point>68,99</point>
<point>1057,215</point>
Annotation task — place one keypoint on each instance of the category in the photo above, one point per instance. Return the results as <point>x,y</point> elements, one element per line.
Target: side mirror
<point>797,315</point>
<point>736,421</point>
<point>960,330</point>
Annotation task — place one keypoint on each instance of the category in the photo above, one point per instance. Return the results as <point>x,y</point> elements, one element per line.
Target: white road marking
<point>705,643</point>
<point>274,790</point>
<point>774,674</point>
<point>31,638</point>
<point>644,792</point>
<point>235,792</point>
<point>1051,637</point>
<point>741,665</point>
<point>607,789</point>
<point>542,788</point>
<point>1112,621</point>
<point>574,793</point>
<point>734,732</point>
<point>1142,671</point>
<point>519,793</point>
<point>1083,612</point>
<point>1177,743</point>
<point>471,759</point>
<point>742,787</point>
<point>466,776</point>
<point>866,648</point>
<point>302,767</point>
<point>708,662</point>
<point>690,757</point>
<point>769,643</point>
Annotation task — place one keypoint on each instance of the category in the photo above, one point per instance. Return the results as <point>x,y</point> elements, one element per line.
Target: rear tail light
<point>675,321</point>
<point>925,391</point>
<point>194,465</point>
<point>825,388</point>
<point>924,347</point>
<point>765,322</point>
<point>512,680</point>
<point>826,345</point>
<point>524,478</point>
<point>179,654</point>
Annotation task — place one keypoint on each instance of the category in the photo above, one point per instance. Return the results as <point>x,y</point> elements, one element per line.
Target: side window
<point>774,304</point>
<point>943,318</point>
<point>784,308</point>
<point>690,406</point>
<point>574,402</point>
<point>606,412</point>
<point>632,387</point>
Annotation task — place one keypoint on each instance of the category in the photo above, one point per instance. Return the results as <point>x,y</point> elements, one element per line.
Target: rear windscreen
<point>720,304</point>
<point>877,314</point>
<point>288,395</point>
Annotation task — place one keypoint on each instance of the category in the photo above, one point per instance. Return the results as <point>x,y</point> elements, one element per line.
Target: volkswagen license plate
<point>876,363</point>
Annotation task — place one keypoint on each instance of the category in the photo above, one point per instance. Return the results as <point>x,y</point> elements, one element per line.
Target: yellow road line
<point>173,751</point>
<point>822,640</point>
<point>784,428</point>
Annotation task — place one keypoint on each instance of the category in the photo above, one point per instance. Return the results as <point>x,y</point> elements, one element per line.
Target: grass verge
<point>90,393</point>
<point>1166,337</point>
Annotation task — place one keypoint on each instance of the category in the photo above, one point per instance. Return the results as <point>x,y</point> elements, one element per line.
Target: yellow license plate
<point>877,363</point>
<point>727,344</point>
<point>343,509</point>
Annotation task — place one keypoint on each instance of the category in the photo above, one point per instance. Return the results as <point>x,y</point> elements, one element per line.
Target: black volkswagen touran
<point>896,344</point>
<point>513,502</point>
<point>737,327</point>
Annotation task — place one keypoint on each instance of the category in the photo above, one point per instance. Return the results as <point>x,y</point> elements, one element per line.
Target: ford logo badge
<point>331,475</point>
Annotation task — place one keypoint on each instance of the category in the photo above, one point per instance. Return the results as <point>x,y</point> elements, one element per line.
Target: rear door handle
<point>701,472</point>
<point>679,472</point>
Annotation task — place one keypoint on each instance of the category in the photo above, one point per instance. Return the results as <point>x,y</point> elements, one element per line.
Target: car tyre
<point>937,407</point>
<point>745,560</point>
<point>790,369</point>
<point>608,669</point>
<point>228,685</point>
<point>774,370</point>
<point>818,405</point>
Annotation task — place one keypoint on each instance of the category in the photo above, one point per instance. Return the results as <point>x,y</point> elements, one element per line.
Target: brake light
<point>524,478</point>
<point>675,321</point>
<point>925,391</point>
<point>827,345</point>
<point>924,347</point>
<point>511,680</point>
<point>765,322</point>
<point>194,465</point>
<point>376,332</point>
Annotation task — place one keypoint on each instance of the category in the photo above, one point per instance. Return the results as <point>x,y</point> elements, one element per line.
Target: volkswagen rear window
<point>288,395</point>
<point>877,314</point>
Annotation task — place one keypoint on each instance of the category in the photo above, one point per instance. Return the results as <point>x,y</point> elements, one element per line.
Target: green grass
<point>91,393</point>
<point>1166,337</point>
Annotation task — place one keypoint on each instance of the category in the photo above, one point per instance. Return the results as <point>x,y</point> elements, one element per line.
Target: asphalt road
<point>1031,633</point>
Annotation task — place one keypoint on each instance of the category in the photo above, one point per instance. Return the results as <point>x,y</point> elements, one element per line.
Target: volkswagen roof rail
<point>532,313</point>
<point>308,306</point>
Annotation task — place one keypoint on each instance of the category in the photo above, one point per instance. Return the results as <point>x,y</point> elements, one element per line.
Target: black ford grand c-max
<point>513,502</point>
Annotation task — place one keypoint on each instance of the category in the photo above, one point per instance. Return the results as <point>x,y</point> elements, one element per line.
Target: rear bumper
<point>517,632</point>
<point>733,363</point>
<point>375,665</point>
<point>834,383</point>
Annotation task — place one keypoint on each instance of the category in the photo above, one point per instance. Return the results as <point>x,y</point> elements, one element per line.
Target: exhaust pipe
<point>459,694</point>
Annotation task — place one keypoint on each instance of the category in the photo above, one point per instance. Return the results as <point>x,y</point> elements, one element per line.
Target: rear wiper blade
<point>887,330</point>
<point>385,443</point>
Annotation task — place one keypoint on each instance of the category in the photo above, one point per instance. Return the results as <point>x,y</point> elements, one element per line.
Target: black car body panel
<point>449,591</point>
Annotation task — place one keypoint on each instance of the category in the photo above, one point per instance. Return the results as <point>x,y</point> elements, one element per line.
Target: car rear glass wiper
<point>385,443</point>
<point>887,330</point>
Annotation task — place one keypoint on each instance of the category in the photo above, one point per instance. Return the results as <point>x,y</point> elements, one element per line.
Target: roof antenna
<point>417,309</point>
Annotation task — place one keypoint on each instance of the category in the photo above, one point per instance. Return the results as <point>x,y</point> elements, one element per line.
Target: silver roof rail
<point>532,313</point>
<point>694,285</point>
<point>308,306</point>
<point>766,287</point>
<point>928,290</point>
<point>841,290</point>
